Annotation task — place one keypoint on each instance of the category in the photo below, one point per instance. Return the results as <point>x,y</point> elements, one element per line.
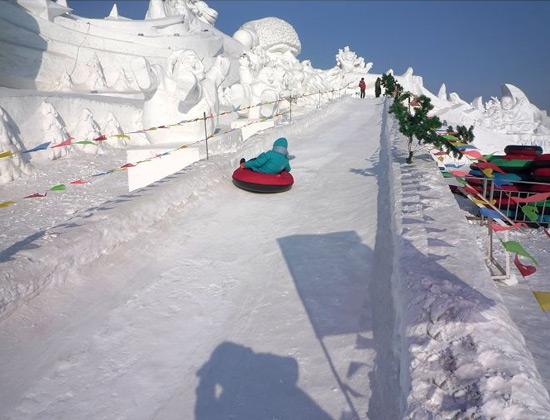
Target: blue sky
<point>471,46</point>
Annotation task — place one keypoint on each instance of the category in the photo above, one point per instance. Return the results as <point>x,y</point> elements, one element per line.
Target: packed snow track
<point>234,306</point>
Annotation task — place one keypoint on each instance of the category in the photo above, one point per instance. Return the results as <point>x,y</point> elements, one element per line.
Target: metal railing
<point>503,199</point>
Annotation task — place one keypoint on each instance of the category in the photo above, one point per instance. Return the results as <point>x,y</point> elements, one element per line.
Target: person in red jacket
<point>362,86</point>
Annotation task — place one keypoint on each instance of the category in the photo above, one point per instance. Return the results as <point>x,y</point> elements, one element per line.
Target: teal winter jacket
<point>272,162</point>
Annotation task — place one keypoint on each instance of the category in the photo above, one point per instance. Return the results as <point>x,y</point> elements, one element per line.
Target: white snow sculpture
<point>65,83</point>
<point>442,94</point>
<point>14,166</point>
<point>54,131</point>
<point>182,91</point>
<point>88,130</point>
<point>477,103</point>
<point>349,61</point>
<point>156,10</point>
<point>112,128</point>
<point>188,8</point>
<point>512,114</point>
<point>45,8</point>
<point>270,34</point>
<point>96,79</point>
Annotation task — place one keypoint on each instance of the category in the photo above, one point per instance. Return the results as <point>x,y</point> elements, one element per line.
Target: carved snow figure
<point>65,83</point>
<point>349,61</point>
<point>54,131</point>
<point>202,11</point>
<point>182,91</point>
<point>271,35</point>
<point>512,114</point>
<point>188,8</point>
<point>112,128</point>
<point>88,130</point>
<point>96,79</point>
<point>11,167</point>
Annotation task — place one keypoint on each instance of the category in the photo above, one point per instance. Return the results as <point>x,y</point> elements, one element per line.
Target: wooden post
<point>205,135</point>
<point>290,108</point>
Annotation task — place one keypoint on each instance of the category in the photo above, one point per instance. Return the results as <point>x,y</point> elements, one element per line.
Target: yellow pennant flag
<point>5,154</point>
<point>483,202</point>
<point>440,158</point>
<point>543,298</point>
<point>7,203</point>
<point>488,172</point>
<point>122,136</point>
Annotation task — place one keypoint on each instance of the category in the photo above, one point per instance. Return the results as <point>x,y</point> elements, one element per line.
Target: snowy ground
<point>343,298</point>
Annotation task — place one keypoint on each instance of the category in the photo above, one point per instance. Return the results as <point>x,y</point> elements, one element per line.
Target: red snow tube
<point>542,161</point>
<point>540,188</point>
<point>262,183</point>
<point>522,150</point>
<point>541,174</point>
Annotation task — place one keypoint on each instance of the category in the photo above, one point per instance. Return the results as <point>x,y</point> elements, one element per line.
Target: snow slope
<point>261,300</point>
<point>346,297</point>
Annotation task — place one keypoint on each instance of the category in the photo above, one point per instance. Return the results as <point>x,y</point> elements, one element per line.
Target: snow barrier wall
<point>49,256</point>
<point>461,354</point>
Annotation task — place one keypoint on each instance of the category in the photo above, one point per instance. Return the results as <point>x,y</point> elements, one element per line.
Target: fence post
<point>290,108</point>
<point>205,134</point>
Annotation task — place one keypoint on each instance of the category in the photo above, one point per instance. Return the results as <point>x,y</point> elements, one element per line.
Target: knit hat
<point>280,146</point>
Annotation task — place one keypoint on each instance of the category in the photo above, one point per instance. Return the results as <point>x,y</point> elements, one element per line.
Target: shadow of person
<point>237,383</point>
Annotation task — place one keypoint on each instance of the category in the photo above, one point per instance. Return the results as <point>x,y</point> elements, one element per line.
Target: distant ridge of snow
<point>462,356</point>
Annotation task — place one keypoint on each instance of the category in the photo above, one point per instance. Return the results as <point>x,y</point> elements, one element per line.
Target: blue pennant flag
<point>493,214</point>
<point>42,146</point>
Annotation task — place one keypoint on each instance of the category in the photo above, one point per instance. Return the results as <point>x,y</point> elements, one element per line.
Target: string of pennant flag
<point>491,212</point>
<point>70,141</point>
<point>87,180</point>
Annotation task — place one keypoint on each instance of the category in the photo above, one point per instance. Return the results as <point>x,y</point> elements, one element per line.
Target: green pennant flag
<point>531,212</point>
<point>85,142</point>
<point>60,187</point>
<point>460,180</point>
<point>516,248</point>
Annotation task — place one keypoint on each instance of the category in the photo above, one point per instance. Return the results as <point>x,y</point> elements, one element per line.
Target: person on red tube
<point>273,161</point>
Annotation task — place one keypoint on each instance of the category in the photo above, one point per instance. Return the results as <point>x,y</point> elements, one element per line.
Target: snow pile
<point>462,356</point>
<point>53,253</point>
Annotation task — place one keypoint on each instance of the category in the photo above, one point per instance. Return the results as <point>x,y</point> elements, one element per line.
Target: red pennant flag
<point>470,190</point>
<point>100,138</point>
<point>459,173</point>
<point>440,153</point>
<point>489,165</point>
<point>500,228</point>
<point>78,182</point>
<point>67,142</point>
<point>128,165</point>
<point>532,199</point>
<point>36,195</point>
<point>473,153</point>
<point>525,270</point>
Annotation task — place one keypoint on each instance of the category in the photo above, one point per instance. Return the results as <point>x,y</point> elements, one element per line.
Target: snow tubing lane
<point>249,180</point>
<point>516,149</point>
<point>542,161</point>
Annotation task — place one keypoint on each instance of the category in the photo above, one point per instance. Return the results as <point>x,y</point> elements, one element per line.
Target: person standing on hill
<point>377,88</point>
<point>362,86</point>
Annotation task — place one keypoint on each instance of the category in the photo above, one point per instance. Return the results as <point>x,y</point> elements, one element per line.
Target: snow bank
<point>49,256</point>
<point>461,354</point>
